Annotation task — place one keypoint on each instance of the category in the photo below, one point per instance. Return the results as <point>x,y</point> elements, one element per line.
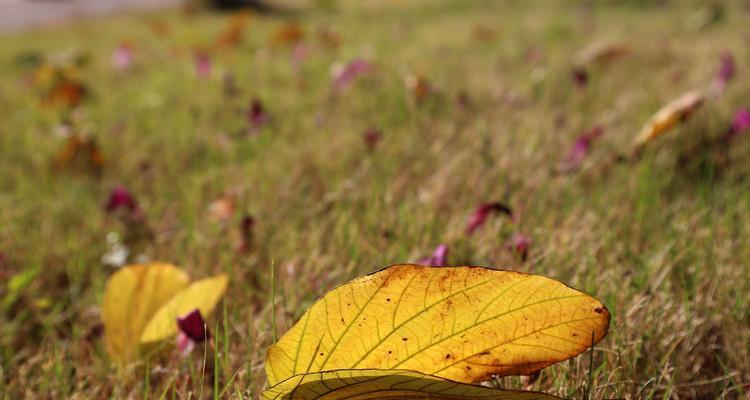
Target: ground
<point>661,239</point>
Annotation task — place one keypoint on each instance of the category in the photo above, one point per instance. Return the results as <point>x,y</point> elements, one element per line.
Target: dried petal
<point>482,212</point>
<point>581,148</point>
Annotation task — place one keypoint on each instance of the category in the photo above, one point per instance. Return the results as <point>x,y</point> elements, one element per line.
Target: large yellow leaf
<point>461,323</point>
<point>132,296</point>
<point>202,294</point>
<point>386,385</point>
<point>670,115</point>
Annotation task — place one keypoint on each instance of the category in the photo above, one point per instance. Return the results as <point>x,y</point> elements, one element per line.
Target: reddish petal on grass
<point>521,244</point>
<point>344,76</point>
<point>257,116</point>
<point>122,57</point>
<point>246,232</point>
<point>740,124</point>
<point>193,326</point>
<point>725,73</point>
<point>202,63</point>
<point>438,257</point>
<point>581,148</point>
<point>580,77</point>
<point>482,212</point>
<point>121,198</point>
<point>371,137</point>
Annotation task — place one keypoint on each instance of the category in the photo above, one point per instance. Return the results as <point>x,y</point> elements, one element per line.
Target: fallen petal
<point>482,212</point>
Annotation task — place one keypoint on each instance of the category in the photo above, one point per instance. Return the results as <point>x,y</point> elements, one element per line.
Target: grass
<point>662,242</point>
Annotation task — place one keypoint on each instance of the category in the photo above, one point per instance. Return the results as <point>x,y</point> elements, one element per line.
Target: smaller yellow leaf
<point>203,294</point>
<point>378,384</point>
<point>670,115</point>
<point>132,296</point>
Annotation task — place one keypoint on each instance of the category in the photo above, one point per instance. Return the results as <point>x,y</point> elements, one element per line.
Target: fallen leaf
<point>581,148</point>
<point>669,116</point>
<point>361,384</point>
<point>460,323</point>
<point>131,297</point>
<point>600,53</point>
<point>80,153</point>
<point>287,34</point>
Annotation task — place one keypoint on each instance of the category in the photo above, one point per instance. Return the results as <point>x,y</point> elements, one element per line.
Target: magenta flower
<point>202,63</point>
<point>725,73</point>
<point>581,148</point>
<point>521,244</point>
<point>257,116</point>
<point>740,124</point>
<point>483,211</point>
<point>371,137</point>
<point>343,77</point>
<point>122,57</point>
<point>120,198</point>
<point>193,330</point>
<point>437,259</point>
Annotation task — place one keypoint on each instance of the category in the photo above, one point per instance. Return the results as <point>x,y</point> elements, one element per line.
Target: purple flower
<point>122,57</point>
<point>257,116</point>
<point>438,257</point>
<point>725,73</point>
<point>521,244</point>
<point>371,137</point>
<point>483,211</point>
<point>193,326</point>
<point>120,198</point>
<point>581,148</point>
<point>202,64</point>
<point>740,124</point>
<point>192,329</point>
<point>344,76</point>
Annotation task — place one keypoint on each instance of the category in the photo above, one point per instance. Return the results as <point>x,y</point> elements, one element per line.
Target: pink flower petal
<point>725,73</point>
<point>345,76</point>
<point>202,63</point>
<point>482,212</point>
<point>122,57</point>
<point>521,244</point>
<point>581,148</point>
<point>184,344</point>
<point>740,124</point>
<point>438,257</point>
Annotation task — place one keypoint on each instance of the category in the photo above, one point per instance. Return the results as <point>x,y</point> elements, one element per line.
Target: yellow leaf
<point>132,296</point>
<point>670,115</point>
<point>384,384</point>
<point>203,295</point>
<point>461,323</point>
